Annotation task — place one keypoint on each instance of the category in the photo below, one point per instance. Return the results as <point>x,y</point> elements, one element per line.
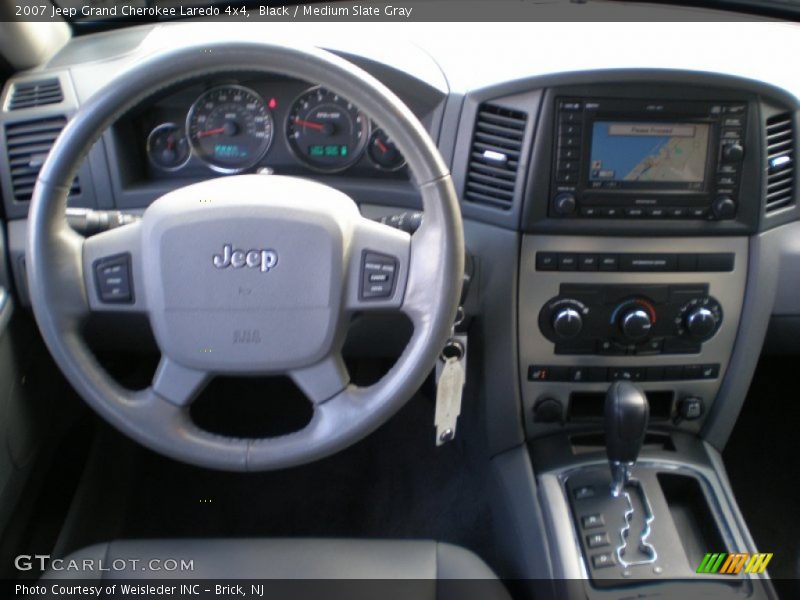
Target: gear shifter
<point>626,414</point>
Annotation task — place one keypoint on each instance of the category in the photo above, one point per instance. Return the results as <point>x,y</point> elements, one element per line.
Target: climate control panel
<point>630,320</point>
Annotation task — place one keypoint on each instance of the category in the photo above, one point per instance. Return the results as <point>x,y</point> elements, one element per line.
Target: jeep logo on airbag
<point>263,260</point>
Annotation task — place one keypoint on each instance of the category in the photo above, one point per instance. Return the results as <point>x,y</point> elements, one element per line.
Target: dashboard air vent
<point>27,144</point>
<point>780,162</point>
<point>494,156</point>
<point>28,94</point>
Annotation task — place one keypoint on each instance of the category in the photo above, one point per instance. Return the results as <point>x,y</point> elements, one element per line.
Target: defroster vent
<point>29,94</point>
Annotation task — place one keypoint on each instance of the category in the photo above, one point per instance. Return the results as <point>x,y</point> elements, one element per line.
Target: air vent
<point>494,156</point>
<point>28,94</point>
<point>780,162</point>
<point>28,143</point>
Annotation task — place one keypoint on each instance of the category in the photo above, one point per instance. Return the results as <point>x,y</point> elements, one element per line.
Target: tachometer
<point>325,131</point>
<point>230,128</point>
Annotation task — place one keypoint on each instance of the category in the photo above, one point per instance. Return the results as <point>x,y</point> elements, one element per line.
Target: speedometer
<point>230,128</point>
<point>325,131</point>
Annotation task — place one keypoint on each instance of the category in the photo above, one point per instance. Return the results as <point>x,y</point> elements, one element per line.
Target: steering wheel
<point>246,274</point>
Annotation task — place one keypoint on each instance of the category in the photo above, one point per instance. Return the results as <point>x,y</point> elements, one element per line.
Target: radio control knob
<point>565,204</point>
<point>567,323</point>
<point>636,324</point>
<point>724,207</point>
<point>701,323</point>
<point>733,152</point>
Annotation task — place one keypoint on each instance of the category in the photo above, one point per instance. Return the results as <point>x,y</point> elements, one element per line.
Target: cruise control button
<point>377,276</point>
<point>113,279</point>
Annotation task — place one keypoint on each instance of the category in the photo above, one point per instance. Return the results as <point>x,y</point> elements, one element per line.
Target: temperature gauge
<point>168,147</point>
<point>384,153</point>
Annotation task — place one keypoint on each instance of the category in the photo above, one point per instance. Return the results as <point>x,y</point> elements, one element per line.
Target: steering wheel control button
<point>378,274</point>
<point>113,279</point>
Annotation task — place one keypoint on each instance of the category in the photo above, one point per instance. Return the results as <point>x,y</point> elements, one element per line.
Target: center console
<point>634,262</point>
<point>639,203</point>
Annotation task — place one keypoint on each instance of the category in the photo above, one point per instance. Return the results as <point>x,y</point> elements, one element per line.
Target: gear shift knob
<point>626,414</point>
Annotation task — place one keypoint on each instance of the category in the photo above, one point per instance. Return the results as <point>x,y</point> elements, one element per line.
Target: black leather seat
<point>438,570</point>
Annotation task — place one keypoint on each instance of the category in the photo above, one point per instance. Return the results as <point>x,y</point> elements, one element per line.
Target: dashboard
<point>625,216</point>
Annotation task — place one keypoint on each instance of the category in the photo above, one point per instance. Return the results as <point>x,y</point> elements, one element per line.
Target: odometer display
<point>230,128</point>
<point>325,131</point>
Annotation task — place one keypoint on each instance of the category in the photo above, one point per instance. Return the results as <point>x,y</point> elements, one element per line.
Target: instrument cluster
<point>233,127</point>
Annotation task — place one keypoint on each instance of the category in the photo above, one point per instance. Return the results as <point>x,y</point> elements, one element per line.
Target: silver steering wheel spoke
<point>324,380</point>
<point>177,384</point>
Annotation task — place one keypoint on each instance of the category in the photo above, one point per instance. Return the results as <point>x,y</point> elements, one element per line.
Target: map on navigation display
<point>649,152</point>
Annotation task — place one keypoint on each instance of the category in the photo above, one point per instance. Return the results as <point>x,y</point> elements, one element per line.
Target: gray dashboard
<point>449,81</point>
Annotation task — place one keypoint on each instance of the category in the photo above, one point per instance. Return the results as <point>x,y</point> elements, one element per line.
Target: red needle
<point>310,124</point>
<point>216,131</point>
<point>381,146</point>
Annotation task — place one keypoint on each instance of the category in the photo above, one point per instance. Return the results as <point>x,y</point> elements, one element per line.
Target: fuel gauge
<point>383,152</point>
<point>168,147</point>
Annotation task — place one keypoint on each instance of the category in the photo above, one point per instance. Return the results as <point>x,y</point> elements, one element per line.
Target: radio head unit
<point>630,158</point>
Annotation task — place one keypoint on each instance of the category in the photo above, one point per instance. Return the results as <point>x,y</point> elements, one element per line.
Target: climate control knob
<point>636,324</point>
<point>701,323</point>
<point>567,323</point>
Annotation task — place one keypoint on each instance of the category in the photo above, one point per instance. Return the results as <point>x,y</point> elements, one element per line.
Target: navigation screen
<point>649,152</point>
